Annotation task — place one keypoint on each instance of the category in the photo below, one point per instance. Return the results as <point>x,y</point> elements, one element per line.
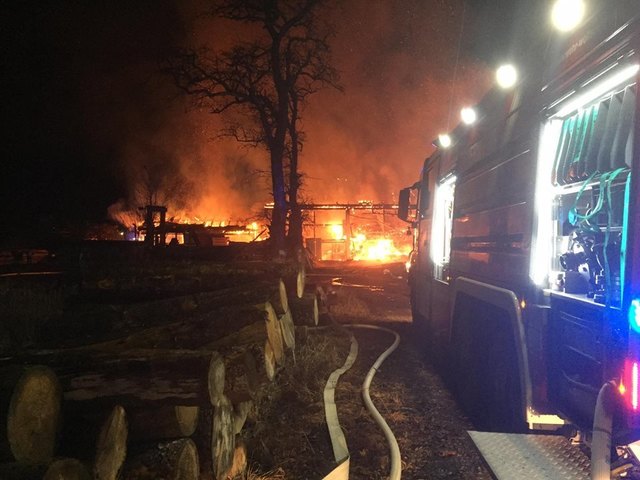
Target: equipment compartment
<point>576,370</point>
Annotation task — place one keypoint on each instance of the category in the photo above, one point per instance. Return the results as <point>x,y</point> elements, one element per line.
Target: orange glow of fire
<point>379,249</point>
<point>337,231</point>
<point>246,233</point>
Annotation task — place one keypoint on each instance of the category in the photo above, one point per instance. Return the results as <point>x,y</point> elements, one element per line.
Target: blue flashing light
<point>634,315</point>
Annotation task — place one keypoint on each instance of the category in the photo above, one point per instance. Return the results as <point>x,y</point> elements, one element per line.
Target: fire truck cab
<point>525,273</point>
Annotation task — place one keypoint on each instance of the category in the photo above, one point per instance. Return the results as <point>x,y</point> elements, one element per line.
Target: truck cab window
<point>442,226</point>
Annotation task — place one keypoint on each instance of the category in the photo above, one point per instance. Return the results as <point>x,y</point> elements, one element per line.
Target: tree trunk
<point>193,333</point>
<point>158,312</point>
<point>111,446</point>
<point>30,412</point>
<point>242,379</point>
<point>305,310</point>
<point>282,300</point>
<point>295,227</point>
<point>175,460</point>
<point>239,462</point>
<point>249,358</point>
<point>294,234</point>
<point>163,423</point>
<point>67,469</point>
<point>94,434</point>
<point>270,362</point>
<point>134,378</point>
<point>240,414</point>
<point>217,376</point>
<point>295,282</point>
<point>222,439</point>
<point>274,335</point>
<point>93,323</point>
<point>288,331</point>
<point>278,219</point>
<point>321,291</point>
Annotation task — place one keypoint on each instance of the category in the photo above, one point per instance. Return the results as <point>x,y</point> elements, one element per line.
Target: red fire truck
<point>525,273</point>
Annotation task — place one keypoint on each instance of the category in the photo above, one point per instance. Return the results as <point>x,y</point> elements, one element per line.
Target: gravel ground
<point>428,425</point>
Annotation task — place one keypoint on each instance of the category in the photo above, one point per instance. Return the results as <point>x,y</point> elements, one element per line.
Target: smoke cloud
<point>119,133</point>
<point>398,61</point>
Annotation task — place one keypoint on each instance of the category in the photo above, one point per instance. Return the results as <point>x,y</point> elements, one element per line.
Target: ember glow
<point>177,229</point>
<point>379,250</point>
<point>336,231</point>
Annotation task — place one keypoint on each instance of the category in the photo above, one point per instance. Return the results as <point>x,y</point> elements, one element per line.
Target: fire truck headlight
<point>444,140</point>
<point>468,115</point>
<point>506,76</point>
<point>567,14</point>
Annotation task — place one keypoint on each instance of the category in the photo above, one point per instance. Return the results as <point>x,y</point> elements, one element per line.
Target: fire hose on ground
<point>602,427</point>
<point>338,441</point>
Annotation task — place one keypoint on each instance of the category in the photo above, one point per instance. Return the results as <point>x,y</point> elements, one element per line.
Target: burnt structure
<point>157,230</point>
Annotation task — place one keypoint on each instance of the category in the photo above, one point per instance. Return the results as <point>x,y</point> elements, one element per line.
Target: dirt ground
<point>430,429</point>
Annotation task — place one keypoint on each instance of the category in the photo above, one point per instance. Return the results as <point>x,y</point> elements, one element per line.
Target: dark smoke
<point>93,119</point>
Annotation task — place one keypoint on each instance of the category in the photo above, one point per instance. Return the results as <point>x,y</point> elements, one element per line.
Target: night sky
<point>88,114</point>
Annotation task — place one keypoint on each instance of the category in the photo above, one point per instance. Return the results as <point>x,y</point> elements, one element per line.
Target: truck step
<point>534,457</point>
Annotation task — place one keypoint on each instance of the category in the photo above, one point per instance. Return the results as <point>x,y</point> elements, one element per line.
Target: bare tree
<point>160,183</point>
<point>264,81</point>
<point>308,68</point>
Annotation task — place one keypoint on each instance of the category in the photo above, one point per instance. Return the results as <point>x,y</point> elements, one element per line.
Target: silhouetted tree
<point>307,65</point>
<point>265,82</point>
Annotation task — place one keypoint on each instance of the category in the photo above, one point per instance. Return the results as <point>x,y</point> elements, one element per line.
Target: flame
<point>244,233</point>
<point>337,231</point>
<point>379,249</point>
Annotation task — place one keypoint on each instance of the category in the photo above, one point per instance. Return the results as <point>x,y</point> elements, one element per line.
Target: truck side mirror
<point>403,204</point>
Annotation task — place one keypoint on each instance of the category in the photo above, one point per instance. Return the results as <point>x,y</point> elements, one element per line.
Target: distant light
<point>567,14</point>
<point>468,115</point>
<point>506,76</point>
<point>444,140</point>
